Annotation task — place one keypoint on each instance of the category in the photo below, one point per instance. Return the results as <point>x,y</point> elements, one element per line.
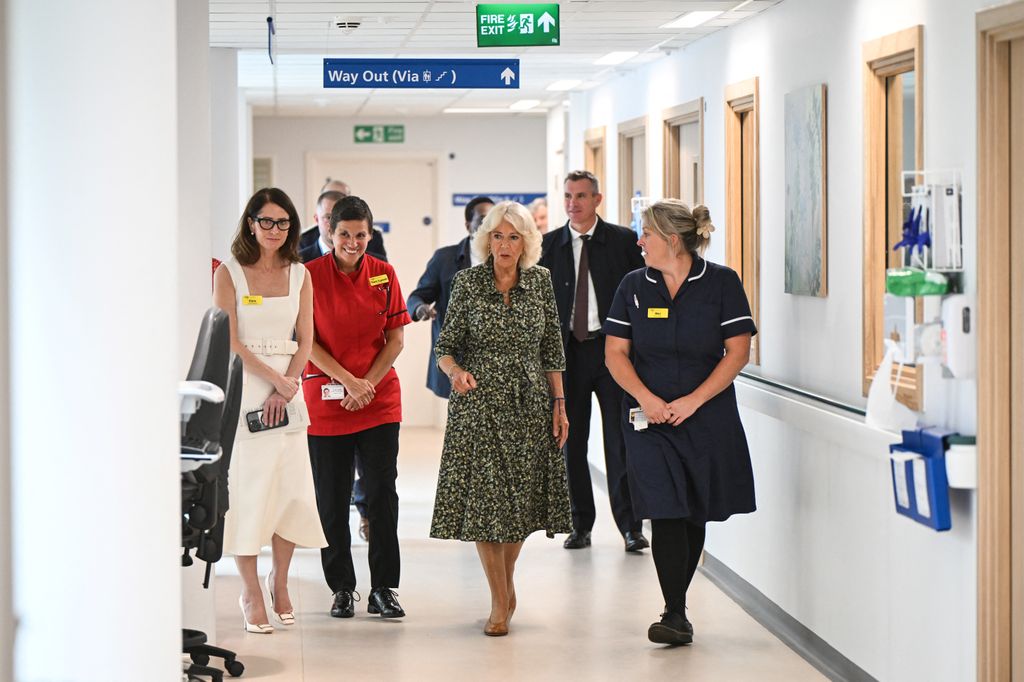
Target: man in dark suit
<point>588,258</point>
<point>429,301</point>
<point>316,238</point>
<point>322,244</point>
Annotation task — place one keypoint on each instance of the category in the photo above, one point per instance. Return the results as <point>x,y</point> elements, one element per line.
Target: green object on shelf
<point>915,282</point>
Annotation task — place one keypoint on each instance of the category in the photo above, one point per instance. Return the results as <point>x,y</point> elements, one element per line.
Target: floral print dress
<point>502,473</point>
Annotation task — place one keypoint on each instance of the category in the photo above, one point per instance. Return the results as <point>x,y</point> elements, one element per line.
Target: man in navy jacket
<point>429,301</point>
<point>588,258</point>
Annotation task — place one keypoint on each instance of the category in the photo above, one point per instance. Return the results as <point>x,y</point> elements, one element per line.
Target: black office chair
<point>209,420</point>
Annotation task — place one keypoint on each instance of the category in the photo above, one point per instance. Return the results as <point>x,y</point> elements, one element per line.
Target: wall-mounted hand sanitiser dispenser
<point>959,338</point>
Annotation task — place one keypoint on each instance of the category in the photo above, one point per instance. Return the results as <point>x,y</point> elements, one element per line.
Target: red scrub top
<point>351,312</point>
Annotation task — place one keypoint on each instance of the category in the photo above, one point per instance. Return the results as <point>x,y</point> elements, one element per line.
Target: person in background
<point>502,474</point>
<point>539,210</point>
<point>268,297</point>
<point>678,335</point>
<point>429,301</point>
<point>355,402</point>
<point>310,236</point>
<point>588,258</point>
<point>322,246</point>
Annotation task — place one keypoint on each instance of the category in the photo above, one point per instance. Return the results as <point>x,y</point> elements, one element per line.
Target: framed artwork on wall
<point>806,197</point>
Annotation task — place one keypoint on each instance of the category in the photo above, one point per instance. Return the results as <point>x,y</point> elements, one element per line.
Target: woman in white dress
<point>268,296</point>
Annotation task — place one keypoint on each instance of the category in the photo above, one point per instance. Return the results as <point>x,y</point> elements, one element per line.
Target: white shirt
<point>474,259</point>
<point>324,247</point>
<point>594,320</point>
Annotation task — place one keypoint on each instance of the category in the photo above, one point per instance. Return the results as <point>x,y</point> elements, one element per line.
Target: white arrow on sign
<point>508,75</point>
<point>546,21</point>
<point>363,133</point>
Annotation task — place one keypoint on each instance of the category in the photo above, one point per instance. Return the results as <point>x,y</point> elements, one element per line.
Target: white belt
<point>271,346</point>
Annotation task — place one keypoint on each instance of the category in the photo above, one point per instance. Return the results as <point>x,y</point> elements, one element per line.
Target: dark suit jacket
<point>435,286</point>
<point>309,238</point>
<point>613,253</point>
<point>311,252</point>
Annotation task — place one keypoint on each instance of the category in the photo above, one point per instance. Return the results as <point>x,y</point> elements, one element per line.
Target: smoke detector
<point>346,24</point>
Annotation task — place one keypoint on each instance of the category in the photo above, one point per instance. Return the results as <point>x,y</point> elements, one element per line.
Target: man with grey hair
<point>588,258</point>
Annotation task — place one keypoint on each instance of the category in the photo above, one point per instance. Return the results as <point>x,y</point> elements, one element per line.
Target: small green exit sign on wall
<point>508,25</point>
<point>379,134</point>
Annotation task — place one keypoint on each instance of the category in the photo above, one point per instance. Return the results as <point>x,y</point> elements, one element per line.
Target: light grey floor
<point>582,614</point>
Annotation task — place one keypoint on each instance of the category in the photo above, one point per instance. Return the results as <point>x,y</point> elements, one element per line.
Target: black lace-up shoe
<point>673,628</point>
<point>344,604</point>
<point>635,541</point>
<point>384,601</point>
<point>577,540</point>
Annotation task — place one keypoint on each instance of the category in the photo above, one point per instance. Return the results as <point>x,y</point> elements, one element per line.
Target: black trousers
<point>332,458</point>
<point>676,545</point>
<point>585,373</point>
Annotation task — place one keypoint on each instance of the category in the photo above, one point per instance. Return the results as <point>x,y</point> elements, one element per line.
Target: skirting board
<point>794,634</point>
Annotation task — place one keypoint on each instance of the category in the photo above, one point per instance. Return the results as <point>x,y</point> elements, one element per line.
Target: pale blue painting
<point>805,192</point>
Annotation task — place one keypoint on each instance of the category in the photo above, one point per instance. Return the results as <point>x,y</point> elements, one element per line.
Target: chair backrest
<point>209,363</point>
<point>216,474</point>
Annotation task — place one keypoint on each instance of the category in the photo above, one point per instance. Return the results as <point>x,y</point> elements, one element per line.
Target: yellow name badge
<point>252,300</point>
<point>658,313</point>
<point>378,280</point>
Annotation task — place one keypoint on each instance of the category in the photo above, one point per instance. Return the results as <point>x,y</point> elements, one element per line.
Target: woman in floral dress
<point>502,472</point>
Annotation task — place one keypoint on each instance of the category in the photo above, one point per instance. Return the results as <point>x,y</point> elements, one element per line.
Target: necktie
<point>581,304</point>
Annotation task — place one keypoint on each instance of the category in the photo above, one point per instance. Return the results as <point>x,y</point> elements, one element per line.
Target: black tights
<point>676,545</point>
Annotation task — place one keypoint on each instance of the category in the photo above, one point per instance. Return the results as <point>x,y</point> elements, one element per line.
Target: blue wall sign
<point>422,73</point>
<point>523,198</point>
<point>384,227</point>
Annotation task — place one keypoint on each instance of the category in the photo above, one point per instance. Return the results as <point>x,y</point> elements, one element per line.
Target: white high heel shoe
<point>287,618</point>
<point>258,628</point>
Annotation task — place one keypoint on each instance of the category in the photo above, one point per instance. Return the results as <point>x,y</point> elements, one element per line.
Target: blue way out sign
<point>422,73</point>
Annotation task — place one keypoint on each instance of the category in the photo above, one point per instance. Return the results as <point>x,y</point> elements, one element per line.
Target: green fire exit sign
<point>507,25</point>
<point>378,134</point>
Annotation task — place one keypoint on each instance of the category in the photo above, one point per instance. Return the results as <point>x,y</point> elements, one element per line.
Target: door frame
<point>1000,646</point>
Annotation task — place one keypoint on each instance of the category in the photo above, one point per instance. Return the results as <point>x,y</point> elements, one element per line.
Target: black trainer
<point>384,601</point>
<point>344,604</point>
<point>673,628</point>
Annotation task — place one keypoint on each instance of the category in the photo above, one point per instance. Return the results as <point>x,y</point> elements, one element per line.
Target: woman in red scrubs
<point>355,401</point>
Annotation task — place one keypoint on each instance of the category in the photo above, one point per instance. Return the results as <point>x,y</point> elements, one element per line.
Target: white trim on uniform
<point>701,272</point>
<point>612,319</point>
<point>737,319</point>
<point>648,277</point>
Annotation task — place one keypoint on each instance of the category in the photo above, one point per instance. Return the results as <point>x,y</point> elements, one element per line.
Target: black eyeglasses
<point>269,223</point>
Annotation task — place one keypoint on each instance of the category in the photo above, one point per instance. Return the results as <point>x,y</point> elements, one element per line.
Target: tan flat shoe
<point>496,629</point>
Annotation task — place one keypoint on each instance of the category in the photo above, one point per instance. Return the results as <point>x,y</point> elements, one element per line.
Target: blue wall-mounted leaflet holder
<point>919,483</point>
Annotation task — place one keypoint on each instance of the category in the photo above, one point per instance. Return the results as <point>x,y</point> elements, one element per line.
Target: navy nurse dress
<point>699,470</point>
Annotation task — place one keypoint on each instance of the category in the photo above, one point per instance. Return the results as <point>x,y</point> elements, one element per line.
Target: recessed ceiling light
<point>692,19</point>
<point>559,86</point>
<point>613,58</point>
<point>524,104</point>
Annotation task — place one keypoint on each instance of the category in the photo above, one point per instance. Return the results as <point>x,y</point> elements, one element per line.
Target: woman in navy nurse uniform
<point>678,333</point>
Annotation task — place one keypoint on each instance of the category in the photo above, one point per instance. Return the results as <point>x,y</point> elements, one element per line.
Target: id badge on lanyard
<point>332,391</point>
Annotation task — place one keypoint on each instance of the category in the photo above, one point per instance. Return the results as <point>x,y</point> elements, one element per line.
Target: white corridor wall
<point>826,545</point>
<point>475,154</point>
<point>93,281</point>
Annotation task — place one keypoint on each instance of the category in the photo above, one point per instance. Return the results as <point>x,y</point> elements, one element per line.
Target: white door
<point>402,194</point>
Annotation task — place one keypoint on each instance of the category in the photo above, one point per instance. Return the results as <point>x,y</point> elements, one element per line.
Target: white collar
<point>324,248</point>
<point>589,233</point>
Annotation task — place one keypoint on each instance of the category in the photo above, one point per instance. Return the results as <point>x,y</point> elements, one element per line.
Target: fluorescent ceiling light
<point>692,19</point>
<point>560,86</point>
<point>613,58</point>
<point>476,110</point>
<point>524,104</point>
